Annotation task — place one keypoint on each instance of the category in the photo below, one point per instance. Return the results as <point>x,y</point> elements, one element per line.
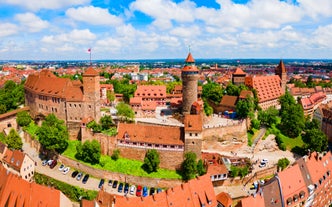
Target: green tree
<point>189,166</point>
<point>200,167</point>
<point>255,124</point>
<point>235,171</point>
<point>208,110</point>
<point>315,140</point>
<point>292,121</point>
<point>125,111</point>
<point>94,126</point>
<point>283,163</point>
<point>151,161</point>
<point>245,107</point>
<point>53,134</point>
<point>106,122</point>
<point>13,140</point>
<point>233,90</point>
<point>23,118</point>
<point>268,117</point>
<point>115,155</point>
<point>89,151</point>
<point>292,117</point>
<point>110,96</point>
<point>11,96</point>
<point>213,92</point>
<point>310,82</point>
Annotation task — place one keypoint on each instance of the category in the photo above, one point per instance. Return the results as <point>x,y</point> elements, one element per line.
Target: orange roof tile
<point>90,72</point>
<point>15,191</point>
<point>151,91</point>
<point>193,122</point>
<point>229,101</point>
<point>14,158</point>
<point>151,134</point>
<point>239,71</point>
<point>189,58</point>
<point>292,183</point>
<point>225,199</point>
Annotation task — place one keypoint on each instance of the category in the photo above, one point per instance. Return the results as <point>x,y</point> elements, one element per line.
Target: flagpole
<point>90,57</point>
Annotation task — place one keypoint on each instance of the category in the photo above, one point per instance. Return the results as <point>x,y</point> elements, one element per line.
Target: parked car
<point>53,164</point>
<point>79,176</point>
<point>101,183</point>
<point>73,175</point>
<point>120,188</point>
<point>262,164</point>
<point>62,166</point>
<point>132,189</point>
<point>152,191</point>
<point>66,170</point>
<point>85,178</point>
<point>44,162</point>
<point>126,188</point>
<point>139,191</point>
<point>145,191</point>
<point>159,190</point>
<point>115,184</point>
<point>49,162</point>
<point>110,183</point>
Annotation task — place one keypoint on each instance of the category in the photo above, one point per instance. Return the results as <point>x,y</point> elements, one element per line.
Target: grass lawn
<point>122,165</point>
<point>290,143</point>
<point>251,136</point>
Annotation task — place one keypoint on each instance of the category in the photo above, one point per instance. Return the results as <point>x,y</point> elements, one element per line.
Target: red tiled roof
<point>239,71</point>
<point>225,199</point>
<point>292,182</point>
<point>195,193</point>
<point>14,158</point>
<point>245,93</point>
<point>250,201</point>
<point>90,72</point>
<point>60,87</point>
<point>281,67</point>
<point>15,191</point>
<point>267,87</point>
<point>229,101</point>
<point>318,165</point>
<point>151,134</point>
<point>193,122</point>
<point>189,59</point>
<point>151,91</point>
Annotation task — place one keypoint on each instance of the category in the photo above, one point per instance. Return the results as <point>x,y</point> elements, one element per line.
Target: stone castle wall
<point>232,132</point>
<point>189,88</point>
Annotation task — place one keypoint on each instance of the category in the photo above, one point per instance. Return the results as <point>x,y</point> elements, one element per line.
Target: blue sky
<point>162,29</point>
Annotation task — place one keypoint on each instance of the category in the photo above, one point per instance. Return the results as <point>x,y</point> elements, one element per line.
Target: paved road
<point>92,183</point>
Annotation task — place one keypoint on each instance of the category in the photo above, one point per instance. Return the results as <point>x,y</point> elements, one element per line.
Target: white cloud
<point>315,8</point>
<point>31,22</point>
<point>93,15</point>
<point>7,29</point>
<point>322,37</point>
<point>186,32</point>
<point>163,11</point>
<point>36,5</point>
<point>82,37</point>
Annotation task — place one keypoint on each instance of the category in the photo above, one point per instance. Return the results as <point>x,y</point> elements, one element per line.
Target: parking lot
<point>91,184</point>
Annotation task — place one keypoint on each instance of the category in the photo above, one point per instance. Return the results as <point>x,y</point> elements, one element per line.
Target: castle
<point>71,101</point>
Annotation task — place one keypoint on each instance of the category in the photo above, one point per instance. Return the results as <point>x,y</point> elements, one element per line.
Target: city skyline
<point>161,29</point>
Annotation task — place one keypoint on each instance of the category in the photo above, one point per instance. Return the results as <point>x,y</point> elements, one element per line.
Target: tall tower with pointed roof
<point>282,73</point>
<point>189,75</point>
<point>91,94</point>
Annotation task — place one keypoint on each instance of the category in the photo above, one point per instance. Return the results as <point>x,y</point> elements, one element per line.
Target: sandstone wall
<point>227,133</point>
<point>168,159</point>
<point>151,182</point>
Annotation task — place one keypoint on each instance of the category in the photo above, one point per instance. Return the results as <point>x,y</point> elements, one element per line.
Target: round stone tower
<point>189,75</point>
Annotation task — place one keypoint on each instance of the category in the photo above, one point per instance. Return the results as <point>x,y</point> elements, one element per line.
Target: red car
<point>139,191</point>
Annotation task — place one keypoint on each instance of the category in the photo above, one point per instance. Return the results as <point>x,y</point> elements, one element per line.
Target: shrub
<point>116,154</point>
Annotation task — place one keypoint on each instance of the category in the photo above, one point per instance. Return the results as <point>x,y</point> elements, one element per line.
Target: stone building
<point>282,73</point>
<point>238,77</point>
<point>69,100</point>
<point>190,76</point>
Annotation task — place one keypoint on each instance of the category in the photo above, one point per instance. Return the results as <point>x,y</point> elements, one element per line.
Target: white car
<point>262,164</point>
<point>44,163</point>
<point>132,189</point>
<point>49,162</point>
<point>66,170</point>
<point>62,167</point>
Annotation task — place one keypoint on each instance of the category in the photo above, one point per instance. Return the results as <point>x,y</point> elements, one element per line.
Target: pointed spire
<point>190,58</point>
<point>281,67</point>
